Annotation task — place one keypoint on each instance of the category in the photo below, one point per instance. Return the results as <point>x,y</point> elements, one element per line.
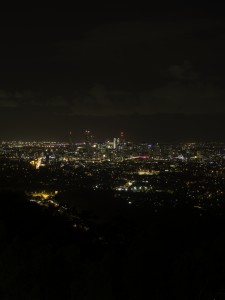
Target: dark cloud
<point>104,65</point>
<point>180,94</point>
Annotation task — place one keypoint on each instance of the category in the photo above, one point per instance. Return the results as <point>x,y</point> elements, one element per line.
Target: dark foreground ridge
<point>176,253</point>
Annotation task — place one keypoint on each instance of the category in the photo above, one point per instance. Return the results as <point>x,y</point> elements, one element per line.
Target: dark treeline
<point>128,253</point>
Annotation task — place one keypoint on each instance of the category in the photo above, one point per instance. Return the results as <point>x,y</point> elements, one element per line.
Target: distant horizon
<point>110,139</point>
<point>154,127</point>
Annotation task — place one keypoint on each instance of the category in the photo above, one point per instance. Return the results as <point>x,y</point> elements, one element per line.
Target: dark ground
<point>128,254</point>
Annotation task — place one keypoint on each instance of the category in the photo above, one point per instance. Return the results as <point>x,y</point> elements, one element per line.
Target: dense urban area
<point>106,213</point>
<point>163,174</point>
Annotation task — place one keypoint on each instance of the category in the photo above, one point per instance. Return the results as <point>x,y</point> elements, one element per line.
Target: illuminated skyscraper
<point>88,140</point>
<point>87,137</point>
<point>115,143</point>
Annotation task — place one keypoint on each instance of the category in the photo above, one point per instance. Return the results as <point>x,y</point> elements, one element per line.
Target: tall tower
<point>122,140</point>
<point>87,137</point>
<point>70,138</point>
<point>88,140</point>
<point>115,143</point>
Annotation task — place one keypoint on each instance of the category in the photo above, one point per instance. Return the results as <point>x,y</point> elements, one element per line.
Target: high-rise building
<point>88,140</point>
<point>115,143</point>
<point>70,138</point>
<point>122,139</point>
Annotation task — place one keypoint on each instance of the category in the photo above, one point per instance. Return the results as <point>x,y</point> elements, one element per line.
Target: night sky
<point>157,75</point>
